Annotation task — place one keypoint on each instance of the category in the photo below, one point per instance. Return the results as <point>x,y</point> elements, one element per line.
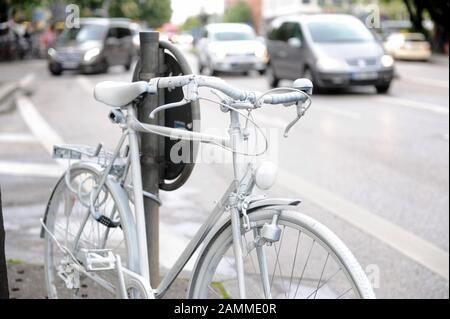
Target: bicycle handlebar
<point>236,94</point>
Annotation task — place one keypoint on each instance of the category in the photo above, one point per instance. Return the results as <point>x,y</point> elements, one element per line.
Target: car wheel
<point>104,67</point>
<point>271,77</point>
<point>383,89</point>
<point>55,70</point>
<point>307,74</point>
<point>128,64</point>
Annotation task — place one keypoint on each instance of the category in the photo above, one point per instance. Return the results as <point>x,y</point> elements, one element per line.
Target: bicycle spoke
<point>277,262</point>
<point>304,268</point>
<point>214,291</point>
<point>324,283</point>
<point>295,259</point>
<point>321,275</point>
<point>346,292</point>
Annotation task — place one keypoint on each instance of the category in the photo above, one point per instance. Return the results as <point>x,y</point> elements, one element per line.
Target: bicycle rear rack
<point>97,155</point>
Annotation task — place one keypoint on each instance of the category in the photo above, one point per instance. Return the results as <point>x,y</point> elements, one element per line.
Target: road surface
<point>373,168</point>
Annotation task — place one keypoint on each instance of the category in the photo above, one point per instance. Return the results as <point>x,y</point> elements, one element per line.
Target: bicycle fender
<point>272,203</point>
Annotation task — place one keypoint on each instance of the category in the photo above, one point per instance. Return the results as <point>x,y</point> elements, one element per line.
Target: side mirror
<point>295,42</point>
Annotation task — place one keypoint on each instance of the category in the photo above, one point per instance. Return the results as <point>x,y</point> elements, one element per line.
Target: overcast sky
<point>186,8</point>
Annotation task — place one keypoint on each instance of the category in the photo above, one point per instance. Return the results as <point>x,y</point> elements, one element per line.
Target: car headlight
<point>52,52</point>
<point>329,64</point>
<point>387,61</point>
<point>90,54</point>
<point>261,53</point>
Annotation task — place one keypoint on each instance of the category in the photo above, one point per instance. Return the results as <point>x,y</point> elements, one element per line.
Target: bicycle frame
<point>239,190</point>
<point>243,184</point>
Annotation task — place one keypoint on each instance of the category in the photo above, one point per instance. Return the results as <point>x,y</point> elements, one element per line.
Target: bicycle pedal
<point>97,259</point>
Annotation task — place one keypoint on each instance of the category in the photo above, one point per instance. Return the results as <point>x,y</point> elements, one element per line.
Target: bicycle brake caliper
<point>244,206</point>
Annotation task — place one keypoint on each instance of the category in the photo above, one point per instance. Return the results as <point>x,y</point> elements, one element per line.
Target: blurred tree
<point>239,12</point>
<point>438,12</point>
<point>154,12</point>
<point>191,23</point>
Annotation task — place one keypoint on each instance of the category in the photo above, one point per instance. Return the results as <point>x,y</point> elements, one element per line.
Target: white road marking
<point>414,104</point>
<point>37,124</point>
<point>17,138</point>
<point>30,169</point>
<point>412,246</point>
<point>27,81</point>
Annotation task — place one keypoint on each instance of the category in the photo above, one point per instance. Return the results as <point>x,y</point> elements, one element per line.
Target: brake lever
<point>301,110</point>
<point>184,101</point>
<point>190,94</point>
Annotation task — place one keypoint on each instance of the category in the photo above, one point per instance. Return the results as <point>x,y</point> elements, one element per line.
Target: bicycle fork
<point>238,250</point>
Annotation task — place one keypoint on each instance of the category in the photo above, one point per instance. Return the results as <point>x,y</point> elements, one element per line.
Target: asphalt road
<point>375,169</point>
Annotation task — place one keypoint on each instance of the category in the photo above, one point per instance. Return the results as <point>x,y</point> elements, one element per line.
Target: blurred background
<point>371,159</point>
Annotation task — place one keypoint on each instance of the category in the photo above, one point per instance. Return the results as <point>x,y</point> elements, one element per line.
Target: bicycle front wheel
<point>308,262</point>
<point>70,229</point>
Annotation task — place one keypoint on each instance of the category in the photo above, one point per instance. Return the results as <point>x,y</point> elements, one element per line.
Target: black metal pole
<point>151,147</point>
<point>4,293</point>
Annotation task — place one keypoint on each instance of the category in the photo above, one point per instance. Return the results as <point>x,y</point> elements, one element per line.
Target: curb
<point>3,272</point>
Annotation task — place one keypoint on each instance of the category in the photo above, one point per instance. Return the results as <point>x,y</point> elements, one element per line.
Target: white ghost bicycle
<point>251,246</point>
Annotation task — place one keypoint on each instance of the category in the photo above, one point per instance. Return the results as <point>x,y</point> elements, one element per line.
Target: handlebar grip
<point>221,85</point>
<point>202,81</point>
<point>284,98</point>
<point>173,81</point>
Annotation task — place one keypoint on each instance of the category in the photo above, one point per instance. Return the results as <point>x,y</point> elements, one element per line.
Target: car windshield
<point>339,32</point>
<point>234,36</point>
<point>86,32</point>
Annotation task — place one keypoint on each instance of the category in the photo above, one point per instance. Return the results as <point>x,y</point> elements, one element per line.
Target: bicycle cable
<point>266,142</point>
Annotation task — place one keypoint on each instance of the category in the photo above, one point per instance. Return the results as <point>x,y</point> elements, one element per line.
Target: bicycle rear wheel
<point>308,262</point>
<point>70,225</point>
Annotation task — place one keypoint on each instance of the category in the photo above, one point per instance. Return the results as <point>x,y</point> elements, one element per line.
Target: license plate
<point>70,65</point>
<point>365,76</point>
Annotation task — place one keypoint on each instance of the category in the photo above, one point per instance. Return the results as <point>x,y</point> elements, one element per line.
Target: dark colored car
<point>333,50</point>
<point>93,47</point>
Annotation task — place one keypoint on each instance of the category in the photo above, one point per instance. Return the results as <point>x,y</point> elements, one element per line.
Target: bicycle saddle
<point>119,94</point>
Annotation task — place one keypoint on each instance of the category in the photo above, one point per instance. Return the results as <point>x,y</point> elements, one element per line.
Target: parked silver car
<point>231,47</point>
<point>333,50</point>
<point>97,44</point>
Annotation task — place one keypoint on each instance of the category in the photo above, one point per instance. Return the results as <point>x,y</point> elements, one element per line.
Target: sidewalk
<point>27,281</point>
